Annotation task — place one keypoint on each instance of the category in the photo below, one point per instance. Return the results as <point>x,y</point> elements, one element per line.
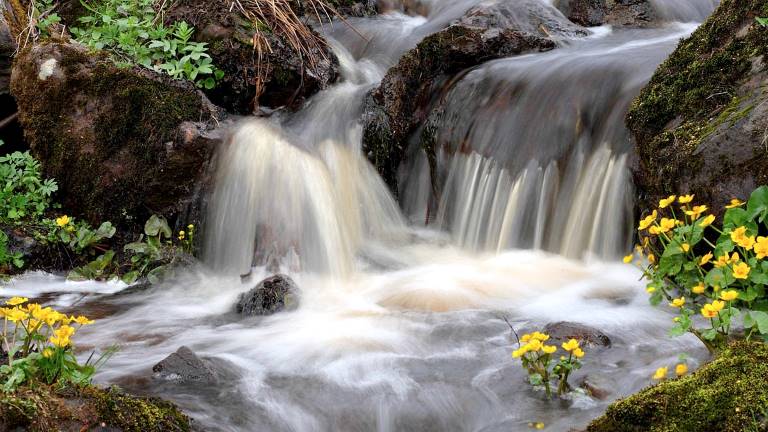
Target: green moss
<point>730,394</point>
<point>41,408</point>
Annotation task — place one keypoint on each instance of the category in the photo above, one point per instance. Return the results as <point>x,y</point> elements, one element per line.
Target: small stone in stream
<point>184,366</point>
<point>596,387</point>
<point>564,330</point>
<point>271,295</point>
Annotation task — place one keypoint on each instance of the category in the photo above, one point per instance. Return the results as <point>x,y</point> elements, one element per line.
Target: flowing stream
<point>401,324</point>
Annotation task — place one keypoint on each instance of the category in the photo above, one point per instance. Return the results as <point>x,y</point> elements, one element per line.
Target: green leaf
<point>157,225</point>
<point>757,206</point>
<point>762,21</point>
<point>759,319</point>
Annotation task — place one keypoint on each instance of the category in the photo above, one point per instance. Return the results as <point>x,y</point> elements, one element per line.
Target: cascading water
<point>401,325</point>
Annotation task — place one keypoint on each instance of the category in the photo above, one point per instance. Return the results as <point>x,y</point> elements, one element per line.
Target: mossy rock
<point>43,408</point>
<point>699,123</point>
<point>729,394</point>
<point>122,143</point>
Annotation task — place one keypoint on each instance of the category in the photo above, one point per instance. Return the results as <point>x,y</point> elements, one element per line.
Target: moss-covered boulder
<point>404,99</point>
<point>700,124</point>
<point>730,394</point>
<point>41,408</point>
<point>121,143</point>
<point>622,13</point>
<point>272,76</point>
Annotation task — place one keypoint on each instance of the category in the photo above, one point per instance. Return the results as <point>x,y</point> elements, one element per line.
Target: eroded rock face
<point>623,13</point>
<point>283,78</point>
<point>121,143</point>
<point>271,295</point>
<point>700,124</point>
<point>402,102</point>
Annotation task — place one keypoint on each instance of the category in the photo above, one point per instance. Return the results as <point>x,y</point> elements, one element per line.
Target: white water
<point>400,325</point>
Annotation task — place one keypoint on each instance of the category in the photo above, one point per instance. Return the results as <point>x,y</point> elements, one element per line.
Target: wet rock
<point>563,331</point>
<point>699,125</point>
<point>596,387</point>
<point>394,110</point>
<point>622,13</point>
<point>278,77</point>
<point>271,295</point>
<point>184,366</point>
<point>121,143</point>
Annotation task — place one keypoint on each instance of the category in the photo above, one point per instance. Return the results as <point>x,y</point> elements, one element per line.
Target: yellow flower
<point>667,201</point>
<point>59,341</point>
<point>738,233</point>
<point>15,301</point>
<point>650,289</point>
<point>676,319</point>
<point>549,349</point>
<point>707,221</point>
<point>747,242</point>
<point>741,270</point>
<point>571,345</point>
<point>654,230</point>
<point>696,211</point>
<point>540,336</point>
<point>628,259</point>
<point>578,353</point>
<point>735,202</point>
<point>660,374</point>
<point>685,199</point>
<point>725,260</point>
<point>705,259</point>
<point>652,258</point>
<point>47,353</point>
<point>518,353</point>
<point>685,247</point>
<point>761,247</point>
<point>681,369</point>
<point>729,295</point>
<point>698,289</point>
<point>181,233</point>
<point>534,345</point>
<point>62,221</point>
<point>666,224</point>
<point>81,320</point>
<point>539,425</point>
<point>16,315</point>
<point>525,338</point>
<point>190,227</point>
<point>647,221</point>
<point>678,302</point>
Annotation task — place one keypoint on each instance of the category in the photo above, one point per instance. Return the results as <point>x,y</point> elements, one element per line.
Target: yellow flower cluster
<point>534,342</point>
<point>662,372</point>
<point>62,221</point>
<point>710,310</point>
<point>572,346</point>
<point>32,317</point>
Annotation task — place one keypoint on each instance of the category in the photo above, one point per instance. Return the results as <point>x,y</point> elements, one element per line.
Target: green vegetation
<point>722,279</point>
<point>133,32</point>
<point>538,360</point>
<point>730,394</point>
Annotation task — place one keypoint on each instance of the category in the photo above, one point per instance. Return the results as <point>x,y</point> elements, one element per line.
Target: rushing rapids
<point>401,319</point>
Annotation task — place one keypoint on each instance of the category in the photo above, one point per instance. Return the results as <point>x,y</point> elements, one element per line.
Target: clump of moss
<point>45,408</point>
<point>730,394</point>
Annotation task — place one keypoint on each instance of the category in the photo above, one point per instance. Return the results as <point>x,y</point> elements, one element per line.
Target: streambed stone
<point>564,330</point>
<point>184,366</point>
<point>273,294</point>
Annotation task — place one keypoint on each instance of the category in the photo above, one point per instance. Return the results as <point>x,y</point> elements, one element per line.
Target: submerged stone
<point>273,294</point>
<point>184,366</point>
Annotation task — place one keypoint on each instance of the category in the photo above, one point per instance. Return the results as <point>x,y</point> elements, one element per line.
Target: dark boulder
<point>564,330</point>
<point>700,123</point>
<point>278,76</point>
<point>403,100</point>
<point>121,143</point>
<point>184,366</point>
<point>622,13</point>
<point>271,295</point>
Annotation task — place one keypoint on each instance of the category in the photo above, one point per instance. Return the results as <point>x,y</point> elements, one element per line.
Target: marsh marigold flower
<point>699,288</point>
<point>707,221</point>
<point>729,295</point>
<point>648,221</point>
<point>761,247</point>
<point>660,373</point>
<point>696,211</point>
<point>667,224</point>
<point>735,202</point>
<point>705,259</point>
<point>81,320</point>
<point>628,259</point>
<point>15,301</point>
<point>710,310</point>
<point>681,369</point>
<point>578,353</point>
<point>62,221</point>
<point>685,247</point>
<point>741,270</point>
<point>685,199</point>
<point>571,345</point>
<point>549,349</point>
<point>652,258</point>
<point>664,203</point>
<point>650,289</point>
<point>738,233</point>
<point>678,302</point>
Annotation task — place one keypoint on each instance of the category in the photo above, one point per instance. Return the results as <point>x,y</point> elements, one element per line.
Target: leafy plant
<point>23,191</point>
<point>44,16</point>
<point>715,277</point>
<point>38,343</point>
<point>8,258</point>
<point>151,252</point>
<point>133,33</point>
<point>538,360</point>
